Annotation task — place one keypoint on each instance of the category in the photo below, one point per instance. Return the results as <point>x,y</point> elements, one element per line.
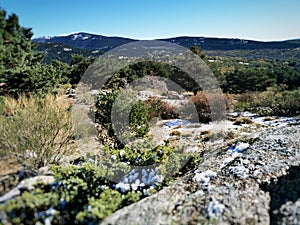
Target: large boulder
<point>254,180</point>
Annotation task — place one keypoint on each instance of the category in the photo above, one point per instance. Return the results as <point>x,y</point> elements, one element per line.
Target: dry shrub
<point>200,100</point>
<point>273,101</point>
<point>175,133</point>
<point>36,130</point>
<point>243,120</point>
<point>246,101</point>
<point>161,109</point>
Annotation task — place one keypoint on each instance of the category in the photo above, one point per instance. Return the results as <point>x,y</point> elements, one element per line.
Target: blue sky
<point>149,19</point>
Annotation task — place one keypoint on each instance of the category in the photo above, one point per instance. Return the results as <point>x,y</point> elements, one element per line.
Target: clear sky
<point>150,19</point>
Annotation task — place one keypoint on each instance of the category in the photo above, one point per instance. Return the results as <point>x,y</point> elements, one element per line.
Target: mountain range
<point>93,44</point>
<point>98,42</point>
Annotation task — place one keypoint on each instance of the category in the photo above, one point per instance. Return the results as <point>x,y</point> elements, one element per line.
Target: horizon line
<point>169,37</point>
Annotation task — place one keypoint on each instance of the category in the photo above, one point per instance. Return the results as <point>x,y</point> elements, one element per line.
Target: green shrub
<point>36,130</point>
<point>274,101</point>
<point>143,153</point>
<point>137,125</point>
<point>84,194</point>
<point>81,195</point>
<point>138,121</point>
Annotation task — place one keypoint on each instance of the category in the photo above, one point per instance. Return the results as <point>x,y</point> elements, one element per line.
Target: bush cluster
<point>84,194</point>
<point>273,101</point>
<point>200,100</point>
<point>140,114</point>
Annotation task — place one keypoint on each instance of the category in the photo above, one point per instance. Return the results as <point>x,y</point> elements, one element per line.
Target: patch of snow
<point>243,63</point>
<point>46,37</point>
<point>204,177</point>
<point>151,177</point>
<point>67,49</point>
<point>238,148</point>
<point>68,34</point>
<point>227,160</point>
<point>241,171</point>
<point>215,209</point>
<point>233,114</point>
<point>51,211</point>
<point>234,151</point>
<point>177,122</point>
<point>132,176</point>
<point>135,179</point>
<point>122,152</point>
<point>248,114</point>
<point>279,122</point>
<point>123,187</point>
<point>75,36</point>
<point>256,173</point>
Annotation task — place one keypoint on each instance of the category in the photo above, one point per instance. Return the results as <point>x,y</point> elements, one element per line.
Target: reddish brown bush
<point>159,108</point>
<point>203,100</point>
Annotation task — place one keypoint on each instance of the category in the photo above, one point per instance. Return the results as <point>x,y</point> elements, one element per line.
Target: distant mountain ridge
<point>86,41</point>
<point>103,43</point>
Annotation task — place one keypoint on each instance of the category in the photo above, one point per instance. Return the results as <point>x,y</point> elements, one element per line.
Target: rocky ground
<point>249,174</point>
<point>253,181</point>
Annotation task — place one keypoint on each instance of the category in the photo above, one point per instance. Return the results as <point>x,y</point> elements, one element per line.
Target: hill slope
<point>62,47</point>
<point>99,42</point>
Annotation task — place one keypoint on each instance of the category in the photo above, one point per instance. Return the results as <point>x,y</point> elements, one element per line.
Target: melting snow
<point>280,122</point>
<point>122,152</point>
<point>132,180</point>
<point>75,37</point>
<point>175,123</point>
<point>215,208</point>
<point>240,171</point>
<point>248,114</point>
<point>204,177</point>
<point>238,148</point>
<point>67,49</point>
<point>235,151</point>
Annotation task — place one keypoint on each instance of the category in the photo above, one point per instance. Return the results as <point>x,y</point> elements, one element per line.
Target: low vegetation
<point>87,193</point>
<point>273,101</point>
<point>37,131</point>
<point>36,125</point>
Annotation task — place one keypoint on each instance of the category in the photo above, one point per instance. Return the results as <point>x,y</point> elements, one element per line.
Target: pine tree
<point>21,70</point>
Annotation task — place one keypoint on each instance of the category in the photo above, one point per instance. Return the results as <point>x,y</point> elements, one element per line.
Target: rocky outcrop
<point>254,180</point>
<point>26,185</point>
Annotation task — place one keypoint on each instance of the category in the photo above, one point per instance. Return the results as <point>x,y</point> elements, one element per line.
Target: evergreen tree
<point>21,70</point>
